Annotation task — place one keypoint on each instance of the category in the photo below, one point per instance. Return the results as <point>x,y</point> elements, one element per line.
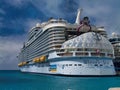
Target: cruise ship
<point>115,41</point>
<point>57,47</point>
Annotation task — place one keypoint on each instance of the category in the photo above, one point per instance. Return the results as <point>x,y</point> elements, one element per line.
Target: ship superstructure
<point>115,41</point>
<point>60,48</point>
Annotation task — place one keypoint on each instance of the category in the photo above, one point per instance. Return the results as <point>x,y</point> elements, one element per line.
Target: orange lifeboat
<point>36,60</point>
<point>22,64</point>
<point>42,58</point>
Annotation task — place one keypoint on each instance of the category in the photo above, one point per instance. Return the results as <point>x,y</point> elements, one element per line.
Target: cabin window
<point>118,39</point>
<point>96,64</point>
<point>62,50</point>
<point>63,66</point>
<point>75,64</point>
<point>68,54</point>
<point>112,40</point>
<point>70,64</point>
<point>111,55</point>
<point>79,64</point>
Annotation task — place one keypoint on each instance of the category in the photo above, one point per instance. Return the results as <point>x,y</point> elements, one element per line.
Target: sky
<point>17,17</point>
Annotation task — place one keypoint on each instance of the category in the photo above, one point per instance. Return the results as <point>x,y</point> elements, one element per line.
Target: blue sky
<point>18,16</point>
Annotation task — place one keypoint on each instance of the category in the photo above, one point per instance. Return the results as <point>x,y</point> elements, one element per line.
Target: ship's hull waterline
<point>73,66</point>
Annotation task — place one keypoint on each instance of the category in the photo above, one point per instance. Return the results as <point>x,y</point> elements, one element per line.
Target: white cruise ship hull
<point>73,66</point>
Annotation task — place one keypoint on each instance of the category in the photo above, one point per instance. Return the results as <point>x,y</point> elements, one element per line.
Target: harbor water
<point>15,80</point>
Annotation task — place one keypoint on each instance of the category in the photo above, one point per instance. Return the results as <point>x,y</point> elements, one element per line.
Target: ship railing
<point>85,50</point>
<point>84,53</point>
<point>55,22</point>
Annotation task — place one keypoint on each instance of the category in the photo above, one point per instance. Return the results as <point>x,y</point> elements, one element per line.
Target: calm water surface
<point>15,80</point>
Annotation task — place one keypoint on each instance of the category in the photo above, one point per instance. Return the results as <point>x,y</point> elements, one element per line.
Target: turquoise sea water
<point>15,80</point>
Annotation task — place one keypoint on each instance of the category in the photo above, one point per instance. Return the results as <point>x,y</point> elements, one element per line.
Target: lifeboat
<point>36,60</point>
<point>39,59</point>
<point>42,58</point>
<point>22,64</point>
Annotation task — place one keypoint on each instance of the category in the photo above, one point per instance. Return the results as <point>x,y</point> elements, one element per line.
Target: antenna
<point>78,16</point>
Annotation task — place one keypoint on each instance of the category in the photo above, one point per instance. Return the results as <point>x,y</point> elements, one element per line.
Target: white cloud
<point>9,49</point>
<point>48,7</point>
<point>17,3</point>
<point>29,23</point>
